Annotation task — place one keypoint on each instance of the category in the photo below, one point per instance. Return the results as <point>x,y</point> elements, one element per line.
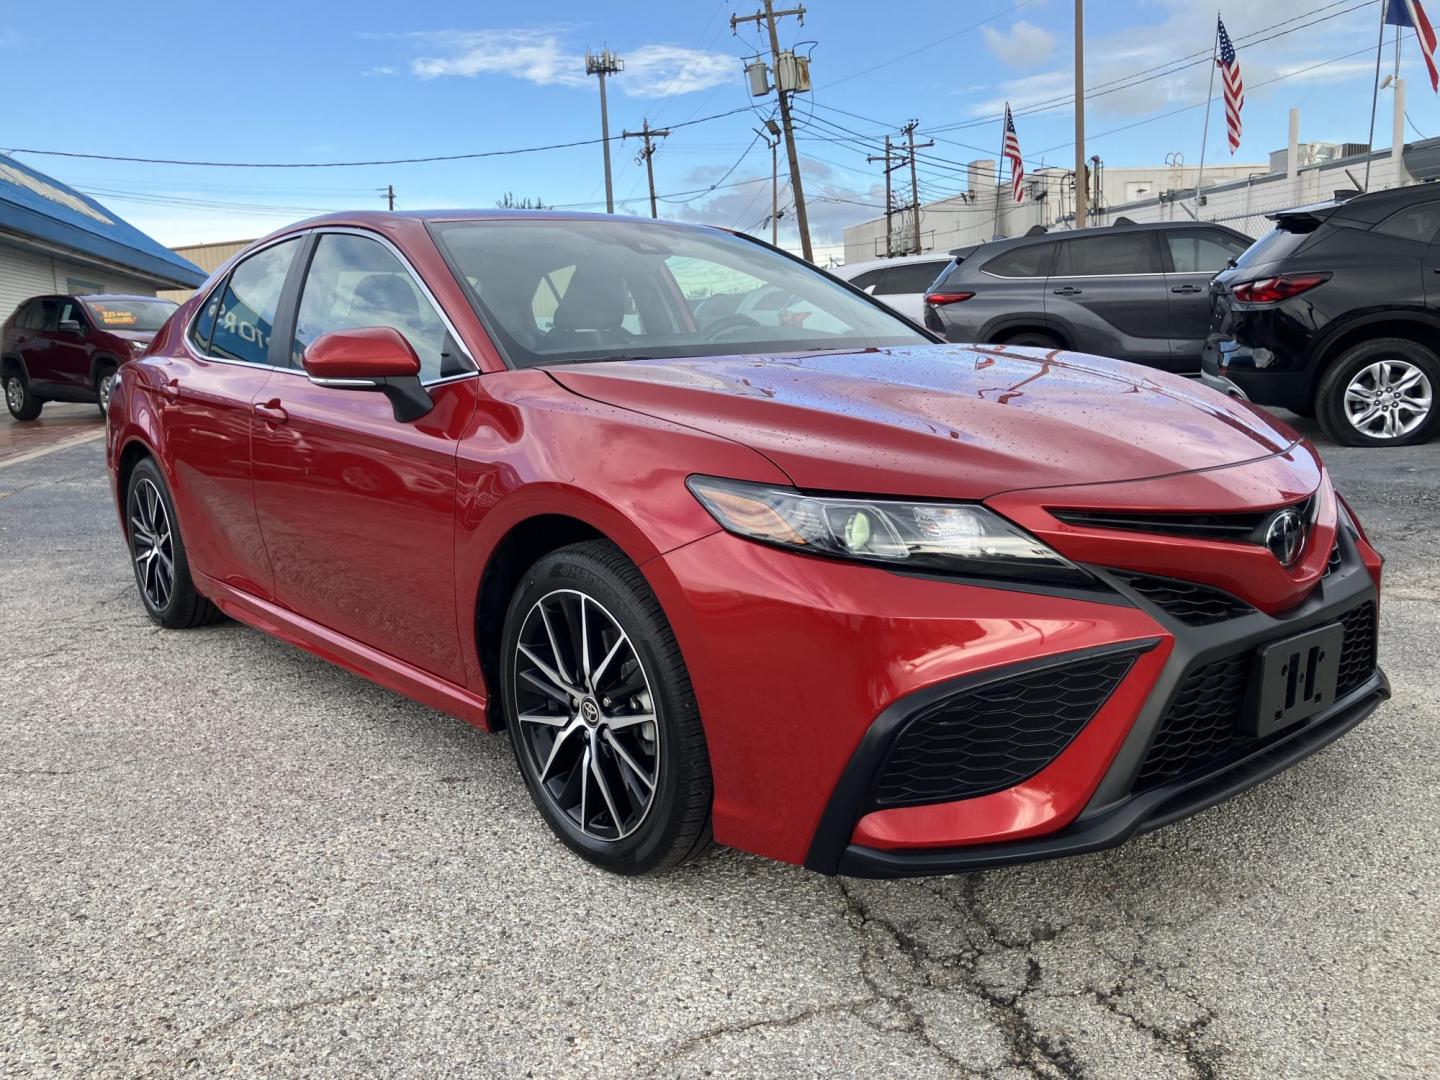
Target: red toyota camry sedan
<point>732,551</point>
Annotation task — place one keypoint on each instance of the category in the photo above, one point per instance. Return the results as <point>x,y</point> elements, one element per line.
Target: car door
<point>1192,258</point>
<point>357,508</point>
<point>69,351</point>
<point>1107,294</point>
<point>42,319</point>
<point>205,394</point>
<point>903,286</point>
<point>27,339</point>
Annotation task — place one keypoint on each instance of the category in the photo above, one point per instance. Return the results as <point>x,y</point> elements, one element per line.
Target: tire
<point>1398,376</point>
<point>23,405</point>
<point>103,375</point>
<point>585,757</point>
<point>1033,339</point>
<point>163,578</point>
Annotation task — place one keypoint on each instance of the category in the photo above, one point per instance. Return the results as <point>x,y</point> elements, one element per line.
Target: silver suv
<point>1133,292</point>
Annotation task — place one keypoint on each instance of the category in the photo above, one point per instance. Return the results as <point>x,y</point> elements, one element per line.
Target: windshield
<point>143,315</point>
<point>560,291</point>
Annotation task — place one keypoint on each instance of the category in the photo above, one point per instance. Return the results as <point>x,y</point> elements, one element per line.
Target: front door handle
<point>1068,290</point>
<point>1186,289</point>
<point>169,389</point>
<point>271,412</point>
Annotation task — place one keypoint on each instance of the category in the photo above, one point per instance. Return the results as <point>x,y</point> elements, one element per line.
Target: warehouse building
<point>208,257</point>
<point>55,240</point>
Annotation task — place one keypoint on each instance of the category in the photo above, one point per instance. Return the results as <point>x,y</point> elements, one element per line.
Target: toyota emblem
<point>1285,535</point>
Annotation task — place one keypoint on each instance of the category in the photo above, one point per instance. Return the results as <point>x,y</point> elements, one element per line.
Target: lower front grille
<point>1202,723</point>
<point>996,735</point>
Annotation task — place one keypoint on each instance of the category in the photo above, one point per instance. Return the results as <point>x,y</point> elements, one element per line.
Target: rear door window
<point>868,278</point>
<point>1419,223</point>
<point>909,278</point>
<point>1200,251</point>
<point>1030,261</point>
<point>249,302</point>
<point>1108,256</point>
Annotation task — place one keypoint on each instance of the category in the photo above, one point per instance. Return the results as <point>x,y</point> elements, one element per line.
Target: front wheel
<point>103,380</point>
<point>601,713</point>
<point>23,404</point>
<point>1380,393</point>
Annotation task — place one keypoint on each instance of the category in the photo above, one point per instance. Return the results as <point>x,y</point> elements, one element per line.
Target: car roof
<point>850,269</point>
<point>87,297</point>
<point>1008,242</point>
<point>1369,207</point>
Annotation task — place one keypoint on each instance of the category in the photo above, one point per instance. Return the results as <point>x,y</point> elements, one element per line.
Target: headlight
<point>953,538</point>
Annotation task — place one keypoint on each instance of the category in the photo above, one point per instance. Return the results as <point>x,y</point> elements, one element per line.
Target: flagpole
<point>1000,168</point>
<point>1375,93</point>
<point>1209,97</point>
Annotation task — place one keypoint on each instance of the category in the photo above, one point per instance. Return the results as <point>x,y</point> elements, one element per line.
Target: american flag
<point>1234,86</point>
<point>1410,13</point>
<point>1012,155</point>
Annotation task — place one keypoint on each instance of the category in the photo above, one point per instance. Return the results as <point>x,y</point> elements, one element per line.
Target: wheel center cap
<point>590,712</point>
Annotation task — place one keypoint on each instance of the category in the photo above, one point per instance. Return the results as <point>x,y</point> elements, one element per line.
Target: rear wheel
<point>23,405</point>
<point>601,713</point>
<point>1380,393</point>
<point>1034,339</point>
<point>157,552</point>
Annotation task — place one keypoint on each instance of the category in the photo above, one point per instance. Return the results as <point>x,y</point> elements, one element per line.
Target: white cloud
<point>543,57</point>
<point>1023,45</point>
<point>380,71</point>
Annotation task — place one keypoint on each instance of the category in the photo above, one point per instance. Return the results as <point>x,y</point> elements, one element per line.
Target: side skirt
<point>346,652</point>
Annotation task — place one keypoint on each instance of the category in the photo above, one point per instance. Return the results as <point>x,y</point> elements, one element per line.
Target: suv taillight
<point>1274,289</point>
<point>940,299</point>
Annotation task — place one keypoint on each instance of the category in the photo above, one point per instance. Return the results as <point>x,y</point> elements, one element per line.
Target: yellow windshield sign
<point>111,317</point>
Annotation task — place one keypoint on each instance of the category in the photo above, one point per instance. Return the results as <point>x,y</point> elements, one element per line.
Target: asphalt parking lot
<point>221,855</point>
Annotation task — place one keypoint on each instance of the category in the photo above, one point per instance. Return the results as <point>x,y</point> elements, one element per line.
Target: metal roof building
<point>53,239</point>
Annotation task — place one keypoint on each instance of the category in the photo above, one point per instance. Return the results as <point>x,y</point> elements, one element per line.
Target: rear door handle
<point>271,412</point>
<point>1068,290</point>
<point>1186,289</point>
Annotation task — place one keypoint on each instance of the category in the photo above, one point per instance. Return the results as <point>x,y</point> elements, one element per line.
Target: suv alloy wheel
<point>1380,393</point>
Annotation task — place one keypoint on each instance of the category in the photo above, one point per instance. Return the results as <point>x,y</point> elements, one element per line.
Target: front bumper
<point>856,838</point>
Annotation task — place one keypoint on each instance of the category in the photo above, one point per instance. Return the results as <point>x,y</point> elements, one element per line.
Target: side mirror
<point>370,358</point>
<point>71,326</point>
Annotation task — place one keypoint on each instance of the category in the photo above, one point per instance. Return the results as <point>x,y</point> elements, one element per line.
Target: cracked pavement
<point>220,855</point>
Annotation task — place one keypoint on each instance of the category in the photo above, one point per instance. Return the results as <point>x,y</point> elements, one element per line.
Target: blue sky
<point>298,82</point>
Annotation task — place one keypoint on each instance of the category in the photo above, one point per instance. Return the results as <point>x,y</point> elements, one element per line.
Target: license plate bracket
<point>1293,679</point>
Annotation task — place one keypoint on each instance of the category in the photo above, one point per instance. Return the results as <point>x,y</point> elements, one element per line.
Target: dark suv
<point>66,348</point>
<point>1335,313</point>
<point>1134,292</point>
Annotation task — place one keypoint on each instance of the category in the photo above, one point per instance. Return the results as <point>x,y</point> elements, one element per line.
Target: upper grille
<point>1191,603</point>
<point>996,735</point>
<point>1243,526</point>
<point>1202,723</point>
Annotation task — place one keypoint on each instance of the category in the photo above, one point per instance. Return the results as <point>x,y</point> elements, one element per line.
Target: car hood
<point>943,421</point>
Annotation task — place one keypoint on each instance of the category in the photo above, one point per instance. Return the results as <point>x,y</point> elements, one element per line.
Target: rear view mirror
<point>71,326</point>
<point>370,358</point>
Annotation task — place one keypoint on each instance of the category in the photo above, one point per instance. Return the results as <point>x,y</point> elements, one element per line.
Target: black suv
<point>1335,313</point>
<point>1134,292</point>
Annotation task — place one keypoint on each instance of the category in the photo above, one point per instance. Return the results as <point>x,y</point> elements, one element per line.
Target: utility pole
<point>1080,192</point>
<point>605,63</point>
<point>647,134</point>
<point>768,16</point>
<point>771,135</point>
<point>390,196</point>
<point>909,131</point>
<point>890,202</point>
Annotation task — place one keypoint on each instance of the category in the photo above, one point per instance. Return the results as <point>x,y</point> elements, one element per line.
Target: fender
<point>1024,321</point>
<point>1321,352</point>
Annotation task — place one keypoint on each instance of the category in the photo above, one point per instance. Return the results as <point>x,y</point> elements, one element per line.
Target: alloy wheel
<point>586,715</point>
<point>1388,399</point>
<point>152,544</point>
<point>103,390</point>
<point>14,393</point>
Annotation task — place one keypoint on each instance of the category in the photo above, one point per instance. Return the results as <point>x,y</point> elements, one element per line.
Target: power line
<point>351,164</point>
